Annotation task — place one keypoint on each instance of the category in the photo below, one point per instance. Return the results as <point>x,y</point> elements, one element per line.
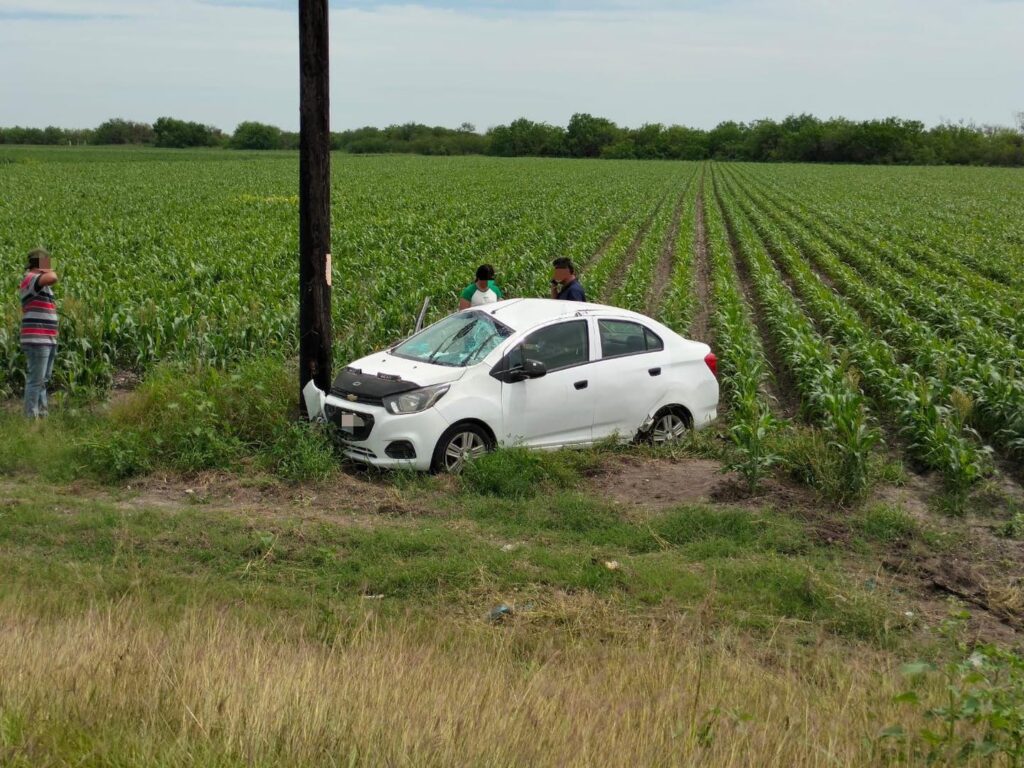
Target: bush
<point>812,460</point>
<point>301,452</point>
<point>202,419</point>
<point>975,701</point>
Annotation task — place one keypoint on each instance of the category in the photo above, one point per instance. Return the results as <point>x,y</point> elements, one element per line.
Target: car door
<point>627,379</point>
<point>558,408</point>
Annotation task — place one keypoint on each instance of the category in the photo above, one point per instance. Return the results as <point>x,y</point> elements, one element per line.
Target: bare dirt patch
<point>345,497</point>
<point>657,484</point>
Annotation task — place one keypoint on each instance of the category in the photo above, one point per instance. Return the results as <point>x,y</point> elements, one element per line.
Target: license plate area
<point>350,424</point>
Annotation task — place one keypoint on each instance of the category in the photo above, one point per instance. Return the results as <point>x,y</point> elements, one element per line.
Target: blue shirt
<point>572,292</point>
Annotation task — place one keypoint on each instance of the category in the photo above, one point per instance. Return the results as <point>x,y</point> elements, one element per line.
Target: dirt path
<point>619,275</point>
<point>666,260</point>
<point>700,328</point>
<point>780,388</point>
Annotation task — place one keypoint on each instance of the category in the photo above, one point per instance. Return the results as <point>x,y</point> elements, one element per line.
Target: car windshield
<point>459,340</point>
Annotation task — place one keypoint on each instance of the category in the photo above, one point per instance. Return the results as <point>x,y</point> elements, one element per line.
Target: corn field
<point>873,306</point>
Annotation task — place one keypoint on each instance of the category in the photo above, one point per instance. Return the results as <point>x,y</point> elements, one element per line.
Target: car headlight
<point>415,401</point>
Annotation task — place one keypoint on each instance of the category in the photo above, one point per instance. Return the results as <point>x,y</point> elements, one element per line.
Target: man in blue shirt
<point>564,284</point>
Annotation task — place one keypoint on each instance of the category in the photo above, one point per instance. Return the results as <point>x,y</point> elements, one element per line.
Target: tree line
<point>797,138</point>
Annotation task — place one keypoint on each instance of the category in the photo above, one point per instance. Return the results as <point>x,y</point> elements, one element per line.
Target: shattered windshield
<point>462,339</point>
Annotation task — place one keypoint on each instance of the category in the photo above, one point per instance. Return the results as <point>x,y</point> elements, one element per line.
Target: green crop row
<point>830,395</point>
<point>934,430</point>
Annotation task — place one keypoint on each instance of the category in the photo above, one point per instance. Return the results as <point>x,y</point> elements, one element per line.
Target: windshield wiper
<point>483,345</point>
<point>462,332</point>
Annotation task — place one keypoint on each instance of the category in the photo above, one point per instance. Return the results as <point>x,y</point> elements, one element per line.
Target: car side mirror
<point>533,369</point>
<point>530,369</point>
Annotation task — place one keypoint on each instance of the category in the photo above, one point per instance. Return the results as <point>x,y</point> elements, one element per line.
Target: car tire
<point>460,443</point>
<point>670,425</point>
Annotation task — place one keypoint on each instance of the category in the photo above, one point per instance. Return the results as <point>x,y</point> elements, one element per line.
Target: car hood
<point>382,374</point>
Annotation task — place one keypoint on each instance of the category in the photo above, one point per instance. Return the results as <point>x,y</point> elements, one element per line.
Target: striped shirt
<point>38,312</point>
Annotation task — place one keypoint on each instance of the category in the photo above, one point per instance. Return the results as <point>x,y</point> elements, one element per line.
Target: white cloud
<point>695,63</point>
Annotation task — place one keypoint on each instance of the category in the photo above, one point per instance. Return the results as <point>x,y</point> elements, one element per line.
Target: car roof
<point>523,314</point>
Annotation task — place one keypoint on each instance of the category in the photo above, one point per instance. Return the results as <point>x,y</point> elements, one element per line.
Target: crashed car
<point>526,372</point>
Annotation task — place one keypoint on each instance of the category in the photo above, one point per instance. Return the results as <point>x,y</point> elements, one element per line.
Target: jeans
<point>40,367</point>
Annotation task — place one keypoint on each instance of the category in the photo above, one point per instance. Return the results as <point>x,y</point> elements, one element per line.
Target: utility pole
<point>314,198</point>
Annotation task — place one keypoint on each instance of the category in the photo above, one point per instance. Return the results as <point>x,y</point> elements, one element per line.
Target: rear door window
<point>622,337</point>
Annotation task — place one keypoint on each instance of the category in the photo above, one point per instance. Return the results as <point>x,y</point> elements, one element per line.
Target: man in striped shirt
<point>38,330</point>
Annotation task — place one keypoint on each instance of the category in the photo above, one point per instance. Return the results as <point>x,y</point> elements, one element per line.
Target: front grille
<point>351,425</point>
<point>356,397</point>
<point>363,453</point>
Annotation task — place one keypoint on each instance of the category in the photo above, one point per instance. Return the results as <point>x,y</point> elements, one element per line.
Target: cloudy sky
<point>75,63</point>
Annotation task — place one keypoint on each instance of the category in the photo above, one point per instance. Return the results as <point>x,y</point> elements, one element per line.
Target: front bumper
<point>366,432</point>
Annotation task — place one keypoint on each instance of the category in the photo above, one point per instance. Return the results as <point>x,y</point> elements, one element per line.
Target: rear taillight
<point>712,362</point>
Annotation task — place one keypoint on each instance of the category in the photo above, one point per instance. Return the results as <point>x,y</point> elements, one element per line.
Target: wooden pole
<point>314,198</point>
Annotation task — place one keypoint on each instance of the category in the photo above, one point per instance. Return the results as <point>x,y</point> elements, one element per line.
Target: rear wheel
<point>670,426</point>
<point>460,444</point>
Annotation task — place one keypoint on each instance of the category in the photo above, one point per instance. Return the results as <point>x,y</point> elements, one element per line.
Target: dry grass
<point>112,687</point>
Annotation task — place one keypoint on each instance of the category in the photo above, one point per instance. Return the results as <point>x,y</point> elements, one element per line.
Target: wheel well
<point>680,410</point>
<point>477,423</point>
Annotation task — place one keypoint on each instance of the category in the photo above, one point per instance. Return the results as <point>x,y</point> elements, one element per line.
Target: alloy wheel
<point>670,428</point>
<point>463,447</point>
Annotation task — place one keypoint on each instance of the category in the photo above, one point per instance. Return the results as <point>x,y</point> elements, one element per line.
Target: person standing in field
<point>564,284</point>
<point>38,330</point>
<point>483,291</point>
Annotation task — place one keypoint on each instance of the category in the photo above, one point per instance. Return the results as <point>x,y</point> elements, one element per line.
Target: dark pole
<point>314,198</point>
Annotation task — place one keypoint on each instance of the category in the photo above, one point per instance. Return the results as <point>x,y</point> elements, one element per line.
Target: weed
<point>975,700</point>
<point>520,473</point>
<point>887,524</point>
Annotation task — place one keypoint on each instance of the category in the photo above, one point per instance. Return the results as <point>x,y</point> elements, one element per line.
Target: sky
<point>76,63</point>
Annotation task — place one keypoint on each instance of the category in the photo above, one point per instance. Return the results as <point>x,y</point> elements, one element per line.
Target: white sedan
<point>533,372</point>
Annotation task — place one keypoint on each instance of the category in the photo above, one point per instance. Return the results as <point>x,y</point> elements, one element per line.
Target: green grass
<point>757,565</point>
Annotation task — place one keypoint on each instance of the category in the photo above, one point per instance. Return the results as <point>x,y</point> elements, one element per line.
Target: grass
<point>207,690</point>
<point>324,620</point>
<point>493,551</point>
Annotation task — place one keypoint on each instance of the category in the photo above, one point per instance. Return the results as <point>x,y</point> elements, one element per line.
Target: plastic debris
<point>509,547</point>
<point>500,613</point>
<point>612,565</point>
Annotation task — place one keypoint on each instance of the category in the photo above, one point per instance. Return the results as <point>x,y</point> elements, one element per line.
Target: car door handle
<point>581,384</point>
<point>654,371</point>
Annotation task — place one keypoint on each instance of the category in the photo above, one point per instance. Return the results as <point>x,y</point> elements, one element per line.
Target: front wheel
<point>460,444</point>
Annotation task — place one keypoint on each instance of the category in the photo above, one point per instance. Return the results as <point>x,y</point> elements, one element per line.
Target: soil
<point>619,275</point>
<point>347,497</point>
<point>666,262</point>
<point>981,570</point>
<point>657,484</point>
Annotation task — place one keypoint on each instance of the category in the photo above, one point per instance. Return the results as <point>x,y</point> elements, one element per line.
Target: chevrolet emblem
<point>351,398</point>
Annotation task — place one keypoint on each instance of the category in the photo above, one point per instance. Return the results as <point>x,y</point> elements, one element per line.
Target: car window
<point>558,346</point>
<point>461,339</point>
<point>654,342</point>
<point>621,337</point>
